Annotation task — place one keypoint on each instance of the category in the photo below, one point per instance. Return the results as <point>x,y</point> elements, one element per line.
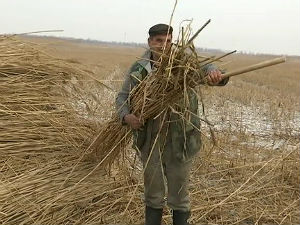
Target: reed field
<point>56,95</point>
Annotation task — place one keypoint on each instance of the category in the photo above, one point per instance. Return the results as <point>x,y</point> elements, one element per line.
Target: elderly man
<point>166,158</point>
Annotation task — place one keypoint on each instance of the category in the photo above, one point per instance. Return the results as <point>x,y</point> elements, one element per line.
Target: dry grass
<point>43,136</point>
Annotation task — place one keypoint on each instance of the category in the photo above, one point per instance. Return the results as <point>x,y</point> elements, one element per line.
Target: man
<point>166,158</point>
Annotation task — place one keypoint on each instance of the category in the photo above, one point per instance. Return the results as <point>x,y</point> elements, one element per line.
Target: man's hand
<point>132,121</point>
<point>214,77</point>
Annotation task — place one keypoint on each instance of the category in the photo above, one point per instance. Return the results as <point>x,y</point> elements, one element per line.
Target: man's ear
<point>149,40</point>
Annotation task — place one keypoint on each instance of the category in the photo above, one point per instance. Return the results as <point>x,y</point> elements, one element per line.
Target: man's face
<point>157,43</point>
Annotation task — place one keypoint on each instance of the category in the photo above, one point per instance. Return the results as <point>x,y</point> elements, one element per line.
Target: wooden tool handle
<point>255,67</point>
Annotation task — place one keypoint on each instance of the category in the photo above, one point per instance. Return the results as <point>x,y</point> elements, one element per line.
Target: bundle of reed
<point>179,70</point>
<point>150,98</point>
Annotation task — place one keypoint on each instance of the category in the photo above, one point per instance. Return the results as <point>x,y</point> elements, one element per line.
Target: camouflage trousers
<point>165,178</point>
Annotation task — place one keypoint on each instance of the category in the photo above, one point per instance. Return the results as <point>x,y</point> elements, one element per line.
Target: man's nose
<point>164,44</point>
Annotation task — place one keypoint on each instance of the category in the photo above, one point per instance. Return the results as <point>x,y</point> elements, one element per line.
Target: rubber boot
<point>153,216</point>
<point>180,217</point>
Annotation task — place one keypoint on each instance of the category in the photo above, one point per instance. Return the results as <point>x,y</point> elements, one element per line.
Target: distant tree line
<point>143,45</point>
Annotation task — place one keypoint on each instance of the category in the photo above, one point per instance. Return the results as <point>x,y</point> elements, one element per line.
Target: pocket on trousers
<point>193,143</point>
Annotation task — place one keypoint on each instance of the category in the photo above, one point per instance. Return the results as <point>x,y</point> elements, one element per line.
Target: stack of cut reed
<point>35,89</point>
<point>44,130</point>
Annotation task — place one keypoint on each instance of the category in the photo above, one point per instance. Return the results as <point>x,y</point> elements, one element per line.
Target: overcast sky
<point>258,26</point>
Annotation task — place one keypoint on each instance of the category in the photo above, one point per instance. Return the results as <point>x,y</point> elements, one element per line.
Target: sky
<point>256,26</point>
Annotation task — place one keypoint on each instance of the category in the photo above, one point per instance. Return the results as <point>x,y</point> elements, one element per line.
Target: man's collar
<point>145,61</point>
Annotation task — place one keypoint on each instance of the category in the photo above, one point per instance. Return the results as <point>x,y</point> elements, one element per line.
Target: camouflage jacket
<point>184,136</point>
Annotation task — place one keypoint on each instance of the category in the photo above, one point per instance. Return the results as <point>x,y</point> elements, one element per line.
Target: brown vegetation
<point>251,176</point>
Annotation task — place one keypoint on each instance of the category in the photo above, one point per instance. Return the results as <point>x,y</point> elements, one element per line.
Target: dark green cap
<point>160,29</point>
